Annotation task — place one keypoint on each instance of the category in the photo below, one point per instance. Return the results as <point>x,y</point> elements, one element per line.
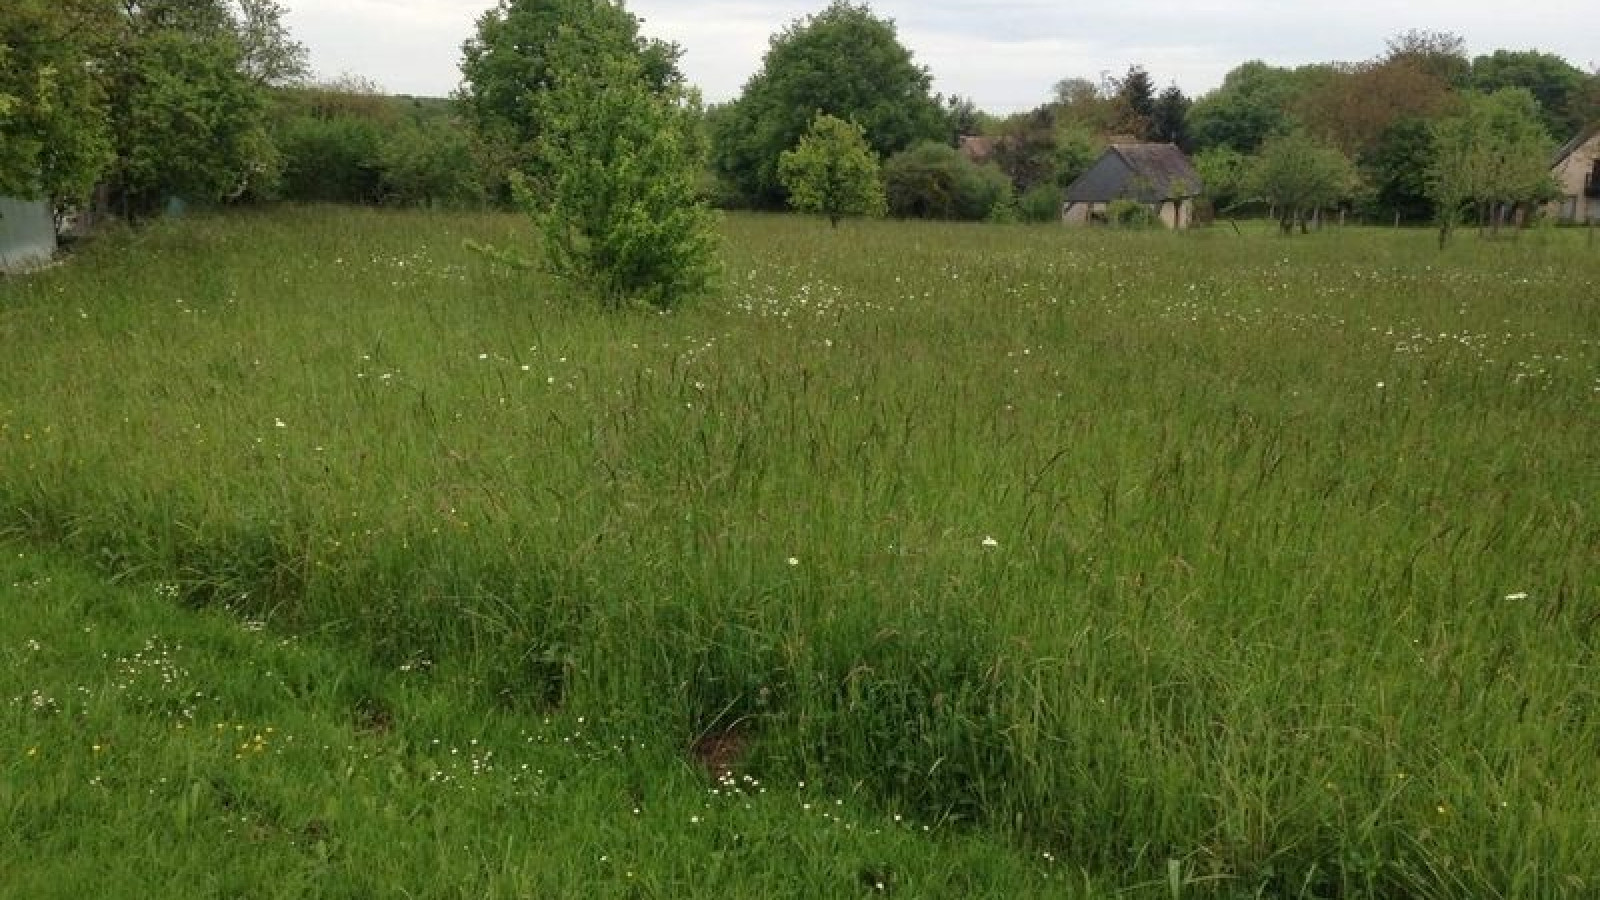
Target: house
<point>1157,175</point>
<point>27,235</point>
<point>1577,171</point>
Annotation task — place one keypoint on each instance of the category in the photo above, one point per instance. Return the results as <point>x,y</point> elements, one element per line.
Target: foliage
<point>268,54</point>
<point>1441,54</point>
<point>1043,147</point>
<point>1252,105</point>
<point>613,186</point>
<point>186,121</point>
<point>1135,102</point>
<point>936,181</point>
<point>510,62</point>
<point>1299,174</point>
<point>1397,168</point>
<point>832,171</point>
<point>1353,107</point>
<point>1224,172</point>
<point>1556,84</point>
<point>53,139</point>
<point>1041,204</point>
<point>1124,212</point>
<point>1494,154</point>
<point>430,163</point>
<point>843,61</point>
<point>331,159</point>
<point>1169,118</point>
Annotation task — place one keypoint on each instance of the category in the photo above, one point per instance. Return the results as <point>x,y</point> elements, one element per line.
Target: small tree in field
<point>833,172</point>
<point>614,194</point>
<point>1298,174</point>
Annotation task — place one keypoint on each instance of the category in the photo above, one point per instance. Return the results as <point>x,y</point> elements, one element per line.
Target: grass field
<point>1209,565</point>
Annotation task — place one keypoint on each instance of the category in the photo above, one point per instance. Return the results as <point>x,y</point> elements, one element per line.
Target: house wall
<point>1571,175</point>
<point>1177,213</point>
<point>27,234</point>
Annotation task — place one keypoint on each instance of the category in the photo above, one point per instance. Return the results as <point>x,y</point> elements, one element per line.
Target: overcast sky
<point>1006,56</point>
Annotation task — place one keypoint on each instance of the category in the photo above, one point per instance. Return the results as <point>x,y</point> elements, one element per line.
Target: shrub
<point>1125,213</point>
<point>1042,203</point>
<point>935,181</point>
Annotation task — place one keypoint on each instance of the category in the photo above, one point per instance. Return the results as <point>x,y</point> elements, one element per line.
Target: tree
<point>1494,154</point>
<point>185,119</point>
<point>268,54</point>
<point>1396,168</point>
<point>1298,174</point>
<point>1169,118</point>
<point>844,62</point>
<point>508,64</point>
<point>1136,103</point>
<point>1252,105</point>
<point>833,171</point>
<point>1441,54</point>
<point>613,182</point>
<point>53,139</point>
<point>1223,170</point>
<point>1352,107</point>
<point>1556,84</point>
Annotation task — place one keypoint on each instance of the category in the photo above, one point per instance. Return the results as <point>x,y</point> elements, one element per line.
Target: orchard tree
<point>613,185</point>
<point>843,61</point>
<point>833,171</point>
<point>1492,156</point>
<point>1298,175</point>
<point>509,64</point>
<point>54,142</point>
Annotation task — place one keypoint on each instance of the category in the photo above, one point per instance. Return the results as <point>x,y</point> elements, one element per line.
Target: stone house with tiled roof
<point>1577,172</point>
<point>1157,175</point>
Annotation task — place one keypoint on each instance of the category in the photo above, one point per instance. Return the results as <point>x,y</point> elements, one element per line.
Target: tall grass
<point>1267,563</point>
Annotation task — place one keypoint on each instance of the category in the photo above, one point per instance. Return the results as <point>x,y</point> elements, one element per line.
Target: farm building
<point>27,235</point>
<point>1157,175</point>
<point>1577,171</point>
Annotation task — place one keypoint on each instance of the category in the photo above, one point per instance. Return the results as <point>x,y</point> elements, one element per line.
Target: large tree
<point>843,61</point>
<point>509,64</point>
<point>1556,84</point>
<point>1254,103</point>
<point>53,138</point>
<point>187,119</point>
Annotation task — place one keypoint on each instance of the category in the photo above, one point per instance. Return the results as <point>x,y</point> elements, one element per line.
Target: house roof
<point>1571,147</point>
<point>1149,173</point>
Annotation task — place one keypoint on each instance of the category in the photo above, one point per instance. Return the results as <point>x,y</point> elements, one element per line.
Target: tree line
<point>567,109</point>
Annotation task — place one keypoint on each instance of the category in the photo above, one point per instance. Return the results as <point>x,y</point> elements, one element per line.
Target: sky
<point>1004,56</point>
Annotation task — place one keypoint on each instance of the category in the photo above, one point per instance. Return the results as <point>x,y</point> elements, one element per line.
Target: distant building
<point>978,148</point>
<point>1577,171</point>
<point>27,235</point>
<point>1156,175</point>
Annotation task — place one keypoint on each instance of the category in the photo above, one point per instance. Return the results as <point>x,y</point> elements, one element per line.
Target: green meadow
<point>921,559</point>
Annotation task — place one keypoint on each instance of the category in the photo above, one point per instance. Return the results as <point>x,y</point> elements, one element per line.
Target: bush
<point>935,181</point>
<point>1042,203</point>
<point>1125,213</point>
<point>330,160</point>
<point>430,163</point>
